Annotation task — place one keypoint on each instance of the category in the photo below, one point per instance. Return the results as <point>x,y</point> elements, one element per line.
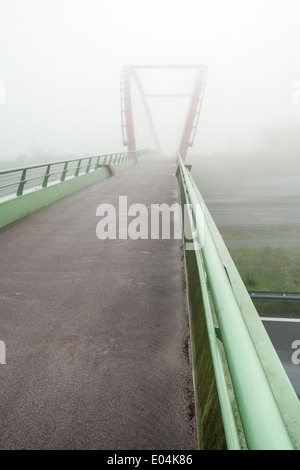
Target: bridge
<point>124,321</point>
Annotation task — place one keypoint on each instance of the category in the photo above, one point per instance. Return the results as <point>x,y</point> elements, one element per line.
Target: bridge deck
<point>95,331</point>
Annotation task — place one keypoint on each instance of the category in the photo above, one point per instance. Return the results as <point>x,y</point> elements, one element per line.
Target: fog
<point>61,62</point>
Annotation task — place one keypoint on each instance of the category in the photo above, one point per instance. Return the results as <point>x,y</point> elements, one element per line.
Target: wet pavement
<point>96,331</point>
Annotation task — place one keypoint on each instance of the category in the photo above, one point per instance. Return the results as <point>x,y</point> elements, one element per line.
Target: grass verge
<point>270,269</point>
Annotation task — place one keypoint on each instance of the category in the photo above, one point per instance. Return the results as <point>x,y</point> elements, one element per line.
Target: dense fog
<point>61,63</point>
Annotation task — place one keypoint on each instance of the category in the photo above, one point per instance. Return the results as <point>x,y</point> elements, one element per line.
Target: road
<point>96,331</point>
<point>261,242</point>
<point>284,333</point>
<point>255,211</point>
<point>266,202</point>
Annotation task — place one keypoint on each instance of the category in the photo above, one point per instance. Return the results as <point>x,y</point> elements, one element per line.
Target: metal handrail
<point>60,162</point>
<point>229,423</point>
<point>262,421</point>
<point>85,164</point>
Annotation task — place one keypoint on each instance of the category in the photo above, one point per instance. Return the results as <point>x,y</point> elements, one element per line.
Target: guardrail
<point>28,189</point>
<point>260,296</point>
<point>16,181</point>
<point>263,425</point>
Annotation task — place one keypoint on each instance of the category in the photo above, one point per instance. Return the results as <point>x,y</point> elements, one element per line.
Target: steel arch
<point>129,76</point>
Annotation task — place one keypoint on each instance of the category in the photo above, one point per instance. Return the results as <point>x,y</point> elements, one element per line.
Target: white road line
<point>271,218</point>
<point>296,320</point>
<point>259,213</point>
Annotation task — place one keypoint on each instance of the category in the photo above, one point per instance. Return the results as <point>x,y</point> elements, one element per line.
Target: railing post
<point>22,183</point>
<point>64,172</point>
<point>46,177</point>
<point>97,163</point>
<point>77,168</point>
<point>22,176</point>
<point>88,166</point>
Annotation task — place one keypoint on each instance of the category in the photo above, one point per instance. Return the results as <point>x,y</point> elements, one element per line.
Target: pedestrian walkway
<point>96,331</point>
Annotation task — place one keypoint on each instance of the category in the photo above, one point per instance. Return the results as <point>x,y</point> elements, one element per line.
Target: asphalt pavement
<point>96,331</point>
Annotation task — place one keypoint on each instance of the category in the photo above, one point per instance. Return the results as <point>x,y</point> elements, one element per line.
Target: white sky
<point>60,61</point>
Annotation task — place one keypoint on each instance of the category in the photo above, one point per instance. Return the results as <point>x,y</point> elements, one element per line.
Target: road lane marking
<point>280,319</point>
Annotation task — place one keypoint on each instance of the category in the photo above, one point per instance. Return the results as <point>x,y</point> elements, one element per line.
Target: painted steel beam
<point>188,136</point>
<point>165,66</point>
<point>166,95</point>
<point>146,108</point>
<point>129,76</point>
<point>129,139</point>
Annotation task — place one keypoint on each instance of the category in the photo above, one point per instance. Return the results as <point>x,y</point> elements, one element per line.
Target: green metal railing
<point>13,182</point>
<point>262,421</point>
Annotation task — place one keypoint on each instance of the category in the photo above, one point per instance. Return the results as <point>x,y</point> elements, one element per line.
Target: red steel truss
<point>129,76</point>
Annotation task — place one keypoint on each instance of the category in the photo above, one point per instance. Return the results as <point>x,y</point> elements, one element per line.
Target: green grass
<point>270,269</point>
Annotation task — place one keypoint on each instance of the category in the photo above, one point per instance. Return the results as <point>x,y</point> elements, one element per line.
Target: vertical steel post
<point>22,183</point>
<point>46,177</point>
<point>64,172</point>
<point>78,168</point>
<point>97,163</point>
<point>126,102</point>
<point>88,165</point>
<point>191,122</point>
